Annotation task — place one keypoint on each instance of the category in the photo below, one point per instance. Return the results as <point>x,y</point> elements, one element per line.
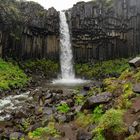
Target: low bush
<point>11,76</point>
<point>111,120</point>
<point>102,69</point>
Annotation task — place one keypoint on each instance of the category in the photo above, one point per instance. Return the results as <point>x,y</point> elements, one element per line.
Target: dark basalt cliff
<point>100,30</point>
<point>105,30</point>
<point>27,30</point>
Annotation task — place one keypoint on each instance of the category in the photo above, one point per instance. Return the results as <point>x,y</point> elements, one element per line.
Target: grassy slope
<point>11,76</point>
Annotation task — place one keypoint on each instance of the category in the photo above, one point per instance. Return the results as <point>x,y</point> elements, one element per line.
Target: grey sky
<point>58,4</point>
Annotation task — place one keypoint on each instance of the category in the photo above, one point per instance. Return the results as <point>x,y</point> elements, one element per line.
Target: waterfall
<point>66,55</point>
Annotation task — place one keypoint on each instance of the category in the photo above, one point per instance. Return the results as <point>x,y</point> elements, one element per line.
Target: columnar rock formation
<point>27,30</point>
<point>100,30</point>
<point>103,31</point>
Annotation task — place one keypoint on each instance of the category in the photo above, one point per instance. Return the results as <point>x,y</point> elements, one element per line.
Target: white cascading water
<point>66,58</point>
<point>66,55</point>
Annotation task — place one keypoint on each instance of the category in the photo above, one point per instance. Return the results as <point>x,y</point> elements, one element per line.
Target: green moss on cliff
<point>48,67</point>
<point>104,69</point>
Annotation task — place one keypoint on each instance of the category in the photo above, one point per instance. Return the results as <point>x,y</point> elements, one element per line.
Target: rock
<point>135,124</point>
<point>82,135</point>
<point>136,88</point>
<point>83,92</point>
<point>70,102</point>
<point>34,126</point>
<point>135,62</point>
<point>131,130</point>
<point>70,116</point>
<point>48,102</point>
<point>47,110</point>
<point>60,118</point>
<point>86,88</point>
<point>93,101</point>
<point>15,135</point>
<point>48,96</point>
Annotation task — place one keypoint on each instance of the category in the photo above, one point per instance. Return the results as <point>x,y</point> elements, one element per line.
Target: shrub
<point>97,113</point>
<point>83,120</point>
<point>111,120</point>
<point>11,76</point>
<point>44,132</point>
<point>48,67</point>
<point>63,108</point>
<point>102,69</point>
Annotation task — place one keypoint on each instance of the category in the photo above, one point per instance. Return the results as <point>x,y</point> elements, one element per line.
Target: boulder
<point>131,130</point>
<point>136,88</point>
<point>135,62</point>
<point>15,135</point>
<point>82,135</point>
<point>94,101</point>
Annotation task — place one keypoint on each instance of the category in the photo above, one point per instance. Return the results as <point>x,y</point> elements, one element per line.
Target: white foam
<point>69,82</point>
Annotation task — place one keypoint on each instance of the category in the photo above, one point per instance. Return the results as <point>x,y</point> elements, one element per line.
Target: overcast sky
<point>58,4</point>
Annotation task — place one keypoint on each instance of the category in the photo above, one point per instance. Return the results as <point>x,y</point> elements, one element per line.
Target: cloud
<point>58,4</point>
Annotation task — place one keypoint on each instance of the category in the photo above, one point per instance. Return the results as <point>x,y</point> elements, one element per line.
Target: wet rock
<point>83,92</point>
<point>20,114</point>
<point>135,124</point>
<point>131,130</point>
<point>86,88</point>
<point>136,88</point>
<point>47,110</point>
<point>34,126</point>
<point>82,135</point>
<point>15,135</point>
<point>135,62</point>
<point>93,101</point>
<point>70,102</point>
<point>48,96</point>
<point>48,102</point>
<point>38,111</point>
<point>70,116</point>
<point>60,118</point>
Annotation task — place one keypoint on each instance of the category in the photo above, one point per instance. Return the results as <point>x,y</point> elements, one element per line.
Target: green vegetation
<point>79,99</point>
<point>83,119</point>
<point>97,113</point>
<point>63,108</point>
<point>44,132</point>
<point>11,76</point>
<point>111,120</point>
<point>103,69</point>
<point>134,137</point>
<point>50,68</point>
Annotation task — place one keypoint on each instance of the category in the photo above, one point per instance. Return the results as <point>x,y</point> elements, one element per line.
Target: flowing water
<point>66,55</point>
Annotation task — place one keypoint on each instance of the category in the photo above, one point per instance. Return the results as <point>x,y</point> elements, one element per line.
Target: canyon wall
<point>100,30</point>
<point>27,30</point>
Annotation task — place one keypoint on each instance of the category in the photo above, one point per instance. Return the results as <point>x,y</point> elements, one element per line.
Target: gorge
<point>43,55</point>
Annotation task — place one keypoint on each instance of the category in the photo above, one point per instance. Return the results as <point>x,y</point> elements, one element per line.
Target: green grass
<point>48,67</point>
<point>44,132</point>
<point>102,69</point>
<point>63,108</point>
<point>111,120</point>
<point>11,76</point>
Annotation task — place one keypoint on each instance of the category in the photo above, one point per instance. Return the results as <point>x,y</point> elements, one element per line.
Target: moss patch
<point>11,76</point>
<point>102,69</point>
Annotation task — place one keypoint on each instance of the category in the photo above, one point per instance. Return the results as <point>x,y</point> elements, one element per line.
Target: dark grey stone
<point>93,101</point>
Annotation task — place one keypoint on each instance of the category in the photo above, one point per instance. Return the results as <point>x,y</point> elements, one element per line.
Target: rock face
<point>27,30</point>
<point>106,30</point>
<point>99,30</point>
